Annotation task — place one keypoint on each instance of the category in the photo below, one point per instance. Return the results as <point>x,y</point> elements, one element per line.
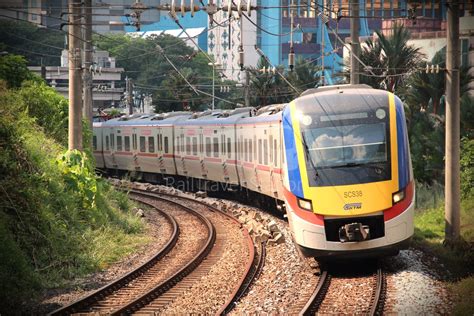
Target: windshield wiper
<point>306,148</point>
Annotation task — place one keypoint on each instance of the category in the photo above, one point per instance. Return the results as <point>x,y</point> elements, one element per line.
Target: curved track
<point>319,295</point>
<point>254,263</point>
<point>130,292</point>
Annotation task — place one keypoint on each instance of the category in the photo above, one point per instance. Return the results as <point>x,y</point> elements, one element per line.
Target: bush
<point>467,167</point>
<point>58,220</point>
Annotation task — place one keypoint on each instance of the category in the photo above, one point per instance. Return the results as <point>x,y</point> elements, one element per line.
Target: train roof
<point>148,119</point>
<point>333,88</point>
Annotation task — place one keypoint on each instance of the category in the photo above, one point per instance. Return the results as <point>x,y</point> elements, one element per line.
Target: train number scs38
<point>337,158</point>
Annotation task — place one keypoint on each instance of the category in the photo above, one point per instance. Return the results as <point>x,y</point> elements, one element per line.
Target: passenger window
<point>195,146</point>
<point>188,146</point>
<point>223,144</point>
<point>271,148</point>
<point>119,143</point>
<point>182,143</point>
<point>216,146</point>
<point>265,152</point>
<point>94,142</point>
<point>112,141</point>
<point>246,150</point>
<point>208,146</point>
<point>260,151</point>
<point>177,145</point>
<point>250,151</point>
<point>229,148</point>
<point>275,155</point>
<point>107,142</point>
<point>151,144</point>
<point>201,144</point>
<point>166,144</point>
<point>160,142</point>
<point>127,143</point>
<point>142,144</point>
<point>134,141</point>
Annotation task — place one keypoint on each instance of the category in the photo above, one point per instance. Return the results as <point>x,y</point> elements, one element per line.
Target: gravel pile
<point>414,287</point>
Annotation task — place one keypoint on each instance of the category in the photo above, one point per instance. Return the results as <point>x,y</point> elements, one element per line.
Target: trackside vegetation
<point>58,220</point>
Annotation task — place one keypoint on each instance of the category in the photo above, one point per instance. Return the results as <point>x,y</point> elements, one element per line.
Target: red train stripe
<point>402,206</point>
<point>308,216</point>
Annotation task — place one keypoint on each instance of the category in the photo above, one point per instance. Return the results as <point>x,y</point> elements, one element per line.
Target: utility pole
<point>452,173</point>
<point>87,109</point>
<point>129,89</point>
<point>75,83</point>
<point>354,41</point>
<point>247,87</point>
<point>322,43</point>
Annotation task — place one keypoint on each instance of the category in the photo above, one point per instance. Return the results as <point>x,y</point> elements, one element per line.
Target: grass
<point>457,256</point>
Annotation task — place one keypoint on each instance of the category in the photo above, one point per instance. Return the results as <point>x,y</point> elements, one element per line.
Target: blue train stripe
<point>294,176</point>
<point>402,141</point>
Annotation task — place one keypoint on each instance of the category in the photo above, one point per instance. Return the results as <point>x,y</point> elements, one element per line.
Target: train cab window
<point>215,143</point>
<point>275,153</point>
<point>142,144</point>
<point>229,148</point>
<point>265,152</point>
<point>151,144</point>
<point>250,151</point>
<point>107,142</point>
<point>246,147</point>
<point>94,142</point>
<point>119,143</point>
<point>134,141</point>
<point>166,145</point>
<point>112,141</point>
<point>208,146</point>
<point>260,151</point>
<point>127,143</point>
<point>270,142</point>
<point>188,145</point>
<point>195,146</point>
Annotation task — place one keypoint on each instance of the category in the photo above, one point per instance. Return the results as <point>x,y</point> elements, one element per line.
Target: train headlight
<point>398,196</point>
<point>305,204</point>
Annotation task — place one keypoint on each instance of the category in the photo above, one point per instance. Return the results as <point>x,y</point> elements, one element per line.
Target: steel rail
<point>378,297</point>
<point>108,289</point>
<point>319,293</point>
<point>250,273</point>
<point>164,286</point>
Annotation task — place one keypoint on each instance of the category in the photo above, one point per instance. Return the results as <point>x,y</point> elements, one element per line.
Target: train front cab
<point>349,187</point>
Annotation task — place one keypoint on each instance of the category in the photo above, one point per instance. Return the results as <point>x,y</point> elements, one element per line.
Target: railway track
<point>142,293</point>
<point>377,297</point>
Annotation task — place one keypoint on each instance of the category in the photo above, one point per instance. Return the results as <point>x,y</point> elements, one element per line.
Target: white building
<point>105,76</point>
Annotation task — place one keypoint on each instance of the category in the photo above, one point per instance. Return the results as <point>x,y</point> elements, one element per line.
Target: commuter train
<point>336,159</point>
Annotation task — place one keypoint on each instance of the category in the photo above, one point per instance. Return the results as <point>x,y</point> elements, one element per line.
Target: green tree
<point>13,70</point>
<point>305,75</point>
<point>38,44</point>
<point>390,59</point>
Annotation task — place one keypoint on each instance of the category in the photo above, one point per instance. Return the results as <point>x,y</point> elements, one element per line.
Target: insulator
<point>437,68</point>
<point>229,8</point>
<point>183,8</point>
<point>249,7</point>
<point>432,69</point>
<point>191,3</point>
<point>173,8</point>
<point>274,70</point>
<point>241,57</point>
<point>427,69</point>
<point>291,59</point>
<point>239,8</point>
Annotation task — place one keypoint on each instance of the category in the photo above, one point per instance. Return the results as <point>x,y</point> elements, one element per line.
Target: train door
<point>229,162</point>
<point>110,160</point>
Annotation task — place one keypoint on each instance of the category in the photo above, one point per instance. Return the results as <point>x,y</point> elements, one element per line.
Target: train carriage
<point>337,158</point>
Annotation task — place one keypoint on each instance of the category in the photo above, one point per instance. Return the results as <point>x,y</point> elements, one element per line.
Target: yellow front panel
<point>355,199</point>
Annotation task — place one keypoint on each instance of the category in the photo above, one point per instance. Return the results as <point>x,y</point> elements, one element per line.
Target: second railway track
<point>160,284</point>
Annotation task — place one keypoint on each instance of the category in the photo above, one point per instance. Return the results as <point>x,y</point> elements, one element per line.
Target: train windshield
<point>350,147</point>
